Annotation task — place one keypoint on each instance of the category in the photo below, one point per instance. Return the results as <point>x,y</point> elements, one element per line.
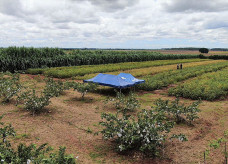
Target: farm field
<point>72,120</point>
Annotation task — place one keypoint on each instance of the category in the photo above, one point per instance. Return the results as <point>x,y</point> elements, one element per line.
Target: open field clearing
<point>209,86</point>
<point>70,121</point>
<point>67,72</point>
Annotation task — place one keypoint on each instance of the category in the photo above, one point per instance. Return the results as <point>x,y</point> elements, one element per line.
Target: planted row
<point>209,86</point>
<point>164,79</point>
<point>66,72</point>
<point>33,100</point>
<point>21,58</point>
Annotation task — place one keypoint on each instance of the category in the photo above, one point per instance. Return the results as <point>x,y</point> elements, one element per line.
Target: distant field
<point>191,52</point>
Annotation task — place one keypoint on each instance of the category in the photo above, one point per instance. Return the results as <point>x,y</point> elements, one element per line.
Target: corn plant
<point>9,85</point>
<point>22,58</point>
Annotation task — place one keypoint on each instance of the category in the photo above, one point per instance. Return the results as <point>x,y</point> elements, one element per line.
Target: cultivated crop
<point>11,153</point>
<point>124,103</point>
<point>209,86</point>
<point>179,112</point>
<point>9,86</point>
<point>164,79</point>
<point>21,58</point>
<point>147,133</point>
<point>66,72</point>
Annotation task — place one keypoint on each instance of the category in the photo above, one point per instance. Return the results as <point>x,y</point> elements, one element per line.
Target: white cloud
<point>81,23</point>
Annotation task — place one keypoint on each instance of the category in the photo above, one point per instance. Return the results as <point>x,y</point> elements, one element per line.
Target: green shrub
<point>147,133</point>
<point>33,102</point>
<point>9,85</point>
<point>177,111</point>
<point>124,103</point>
<point>53,88</point>
<point>82,88</point>
<point>31,153</point>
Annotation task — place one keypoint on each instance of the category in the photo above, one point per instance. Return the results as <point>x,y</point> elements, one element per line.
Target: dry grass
<point>71,122</point>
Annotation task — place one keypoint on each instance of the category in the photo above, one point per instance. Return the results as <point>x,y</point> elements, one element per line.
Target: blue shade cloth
<point>123,80</point>
<point>129,78</point>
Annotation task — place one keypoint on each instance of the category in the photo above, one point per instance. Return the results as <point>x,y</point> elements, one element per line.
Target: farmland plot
<point>209,86</point>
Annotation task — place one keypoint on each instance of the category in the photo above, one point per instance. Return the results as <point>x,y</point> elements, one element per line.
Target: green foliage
<point>34,102</point>
<point>203,50</point>
<point>67,72</point>
<point>54,88</point>
<point>220,144</point>
<point>82,88</point>
<point>30,153</point>
<point>124,103</point>
<point>177,111</point>
<point>9,85</point>
<point>22,58</point>
<point>147,133</point>
<point>209,86</point>
<point>164,79</point>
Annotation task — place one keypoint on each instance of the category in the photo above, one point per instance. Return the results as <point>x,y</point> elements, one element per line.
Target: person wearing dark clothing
<point>177,66</point>
<point>181,66</point>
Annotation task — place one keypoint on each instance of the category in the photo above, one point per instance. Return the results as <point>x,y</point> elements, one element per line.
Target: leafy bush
<point>33,102</point>
<point>177,111</point>
<point>124,103</point>
<point>30,153</point>
<point>82,88</point>
<point>9,85</point>
<point>147,133</point>
<point>53,88</point>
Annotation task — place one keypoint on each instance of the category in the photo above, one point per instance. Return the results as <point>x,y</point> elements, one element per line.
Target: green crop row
<point>164,79</point>
<point>209,86</point>
<point>21,58</point>
<point>67,72</point>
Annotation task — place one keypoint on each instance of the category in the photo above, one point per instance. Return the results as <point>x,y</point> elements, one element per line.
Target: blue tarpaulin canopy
<point>123,80</point>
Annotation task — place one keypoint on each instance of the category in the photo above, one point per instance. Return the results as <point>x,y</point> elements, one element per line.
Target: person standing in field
<point>177,66</point>
<point>181,66</point>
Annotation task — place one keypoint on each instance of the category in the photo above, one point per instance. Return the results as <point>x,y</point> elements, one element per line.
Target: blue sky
<point>149,24</point>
